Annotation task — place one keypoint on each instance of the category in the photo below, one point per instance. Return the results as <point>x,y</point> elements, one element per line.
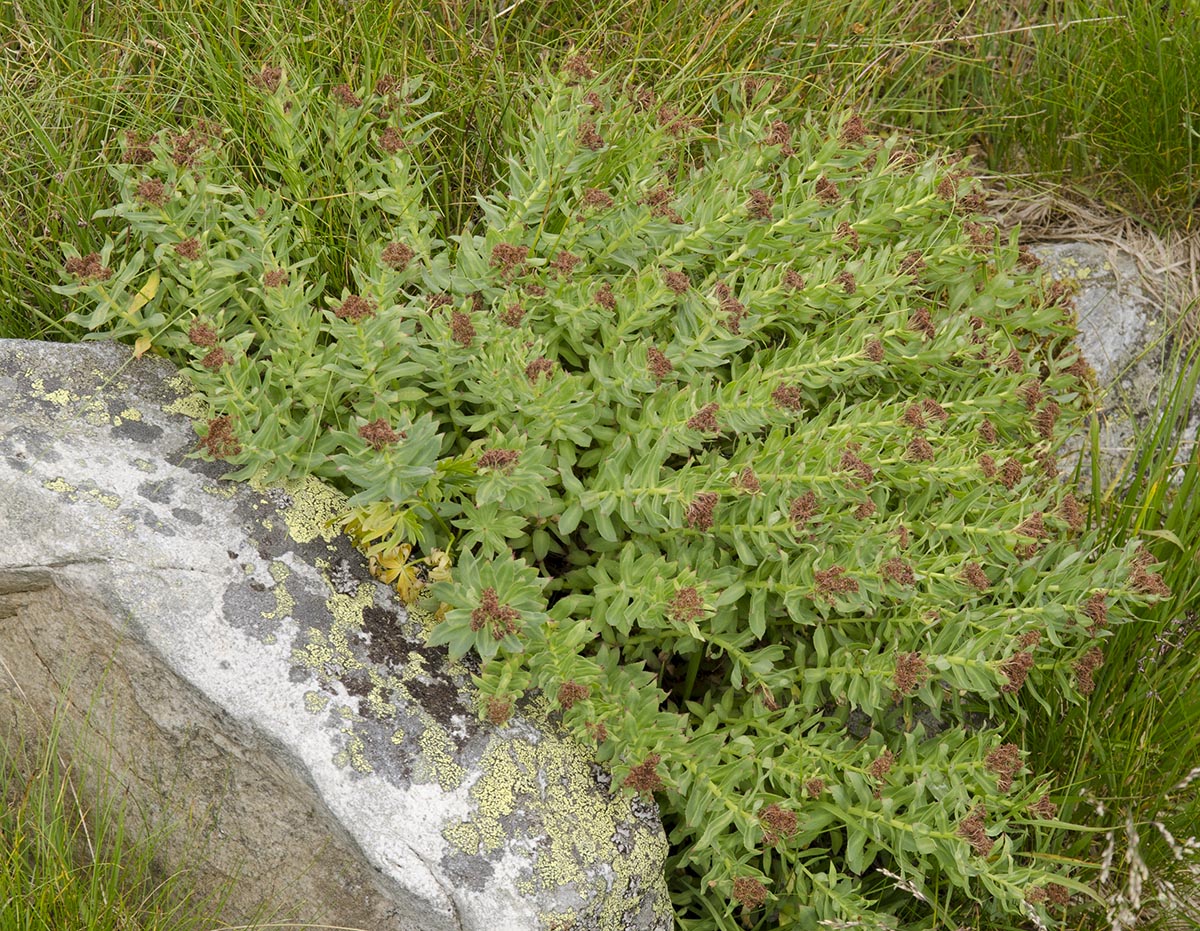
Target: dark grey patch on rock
<point>342,579</point>
<point>187,516</point>
<point>244,604</point>
<point>471,873</point>
<point>18,464</point>
<point>30,443</point>
<point>158,492</point>
<point>298,674</point>
<point>149,519</point>
<point>137,431</point>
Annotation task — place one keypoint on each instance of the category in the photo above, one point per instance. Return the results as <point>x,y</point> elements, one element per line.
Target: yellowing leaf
<point>140,346</point>
<point>145,295</point>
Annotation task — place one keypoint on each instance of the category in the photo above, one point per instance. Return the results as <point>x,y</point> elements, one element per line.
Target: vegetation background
<point>1084,115</point>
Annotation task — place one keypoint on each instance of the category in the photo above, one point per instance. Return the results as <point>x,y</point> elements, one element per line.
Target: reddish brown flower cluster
<point>899,571</point>
<point>1015,669</point>
<point>184,147</point>
<point>903,158</point>
<point>499,620</point>
<point>874,350</point>
<point>787,396</point>
<point>396,256</point>
<point>659,201</point>
<point>604,297</point>
<point>882,765</point>
<point>920,450</point>
<point>386,84</point>
<point>802,509</point>
<point>379,433</point>
<point>902,533</point>
<point>854,130</point>
<point>922,322</point>
<point>275,278</point>
<point>850,462</point>
<point>699,514</point>
<point>777,822</point>
<point>678,282</point>
<point>794,280</point>
<point>439,300</point>
<point>1068,511</point>
<point>152,191</point>
<point>570,692</point>
<point>216,358</point>
<point>1087,664</point>
<point>502,460</point>
<point>1032,393</point>
<point>1005,761</point>
<point>1032,526</point>
<point>268,79</point>
<point>747,481</point>
<point>594,197</point>
<point>564,263</point>
<point>731,306</point>
<point>1026,258</point>
<point>1058,894</point>
<point>644,777</point>
<point>1030,638</point>
<point>912,263</point>
<point>220,441</point>
<point>136,151</point>
<point>345,96</point>
<point>911,672</point>
<point>1146,582</point>
<point>975,576</point>
<point>1011,473</point>
<point>987,431</point>
<point>934,410</point>
<point>780,134</point>
<point>848,282</point>
<point>705,419</point>
<point>814,787</point>
<point>391,141</point>
<point>509,259</point>
<point>642,97</point>
<point>749,892</point>
<point>974,830</point>
<point>577,67</point>
<point>687,605</point>
<point>827,191</point>
<point>849,233</point>
<point>674,123</point>
<point>594,101</point>
<point>834,581</point>
<point>88,268</point>
<point>1013,362</point>
<point>598,730</point>
<point>760,204</point>
<point>658,364</point>
<point>499,710</point>
<point>512,315</point>
<point>461,328</point>
<point>1044,808</point>
<point>589,138</point>
<point>913,417</point>
<point>1096,609</point>
<point>864,510</point>
<point>188,249</point>
<point>355,309</point>
<point>201,334</point>
<point>538,367</point>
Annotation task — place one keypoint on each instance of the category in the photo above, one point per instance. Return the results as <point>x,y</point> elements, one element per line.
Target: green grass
<point>1094,96</point>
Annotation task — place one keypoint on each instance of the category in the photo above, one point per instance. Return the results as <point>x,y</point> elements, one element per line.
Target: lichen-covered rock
<point>260,687</point>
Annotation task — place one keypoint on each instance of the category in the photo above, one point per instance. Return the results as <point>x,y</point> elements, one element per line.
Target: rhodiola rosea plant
<point>735,438</point>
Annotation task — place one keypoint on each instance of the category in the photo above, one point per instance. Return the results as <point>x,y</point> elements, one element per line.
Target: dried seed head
<point>794,280</point>
<point>1026,258</point>
<point>850,462</point>
<point>499,710</point>
<point>827,191</point>
<point>538,367</point>
<point>564,263</point>
<point>220,441</point>
<point>848,282</point>
<point>678,282</point>
<point>1015,669</point>
<point>911,670</point>
<point>1044,808</point>
<point>760,204</point>
<point>975,576</point>
<point>594,197</point>
<point>136,151</point>
<point>922,322</point>
<point>216,358</point>
<point>644,777</point>
<point>659,365</point>
<point>1096,609</point>
<point>1148,583</point>
<point>787,397</point>
<point>499,620</point>
<point>935,410</point>
<point>1035,894</point>
<point>570,692</point>
<point>853,130</point>
<point>355,309</point>
<point>675,124</point>
<point>1013,362</point>
<point>987,431</point>
<point>1032,393</point>
<point>882,764</point>
<point>594,101</point>
<point>1005,761</point>
<point>604,297</point>
<point>345,95</point>
<point>749,892</point>
<point>974,830</point>
<point>874,350</point>
<point>687,605</point>
<point>642,97</point>
<point>900,572</point>
<point>731,306</point>
<point>378,434</point>
<point>1011,473</point>
<point>814,787</point>
<point>849,233</point>
<point>577,66</point>
<point>439,300</point>
<point>184,147</point>
<point>802,509</point>
<point>153,192</point>
<point>912,263</point>
<point>598,731</point>
<point>88,268</point>
<point>391,141</point>
<point>699,514</point>
<point>275,278</point>
<point>920,450</point>
<point>988,465</point>
<point>902,533</point>
<point>914,418</point>
<point>864,510</point>
<point>780,134</point>
<point>396,256</point>
<point>588,137</point>
<point>188,249</point>
<point>509,259</point>
<point>203,335</point>
<point>1031,638</point>
<point>705,419</point>
<point>1032,526</point>
<point>777,823</point>
<point>1058,894</point>
<point>833,581</point>
<point>1087,664</point>
<point>502,460</point>
<point>268,79</point>
<point>386,84</point>
<point>748,481</point>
